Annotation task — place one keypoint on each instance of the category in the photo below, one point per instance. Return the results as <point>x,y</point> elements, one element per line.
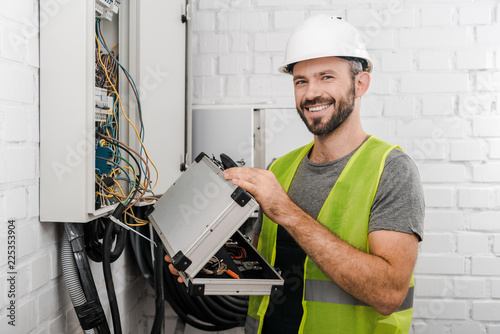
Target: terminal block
<point>116,6</point>
<point>103,104</point>
<point>105,3</point>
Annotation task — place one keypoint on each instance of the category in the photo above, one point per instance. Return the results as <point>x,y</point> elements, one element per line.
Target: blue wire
<point>143,132</point>
<point>124,69</point>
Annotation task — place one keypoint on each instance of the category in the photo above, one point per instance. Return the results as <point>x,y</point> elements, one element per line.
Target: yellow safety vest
<point>327,308</point>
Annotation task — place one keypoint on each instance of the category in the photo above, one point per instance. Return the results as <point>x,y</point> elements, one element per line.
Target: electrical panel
<point>105,75</point>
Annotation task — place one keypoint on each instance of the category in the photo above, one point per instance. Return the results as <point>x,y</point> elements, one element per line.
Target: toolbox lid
<point>199,213</point>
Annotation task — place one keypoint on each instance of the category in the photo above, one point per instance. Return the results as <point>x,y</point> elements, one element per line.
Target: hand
<point>266,189</point>
<point>172,269</point>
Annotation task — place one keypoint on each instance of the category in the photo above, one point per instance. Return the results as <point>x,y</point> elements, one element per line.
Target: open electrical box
<point>198,219</point>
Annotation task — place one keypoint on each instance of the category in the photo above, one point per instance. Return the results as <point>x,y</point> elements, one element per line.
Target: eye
<point>299,82</point>
<point>327,77</point>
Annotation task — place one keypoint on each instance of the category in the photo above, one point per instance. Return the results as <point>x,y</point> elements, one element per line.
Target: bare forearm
<point>367,277</point>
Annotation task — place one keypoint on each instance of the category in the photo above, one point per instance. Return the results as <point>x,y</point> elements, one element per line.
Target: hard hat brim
<point>285,67</point>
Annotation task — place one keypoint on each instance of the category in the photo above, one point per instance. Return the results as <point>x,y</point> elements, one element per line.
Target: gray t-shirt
<point>398,204</point>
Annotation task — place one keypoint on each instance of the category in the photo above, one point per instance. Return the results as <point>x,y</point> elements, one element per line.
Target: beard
<point>343,108</point>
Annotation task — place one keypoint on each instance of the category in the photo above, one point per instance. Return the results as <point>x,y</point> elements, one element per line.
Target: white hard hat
<point>325,36</point>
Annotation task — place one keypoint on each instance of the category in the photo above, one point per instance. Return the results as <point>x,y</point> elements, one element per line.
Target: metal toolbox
<point>196,217</point>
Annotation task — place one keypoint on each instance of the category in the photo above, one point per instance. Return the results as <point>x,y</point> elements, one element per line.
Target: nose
<point>313,90</point>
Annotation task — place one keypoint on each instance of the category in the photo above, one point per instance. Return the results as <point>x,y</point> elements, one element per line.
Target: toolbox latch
<point>276,291</point>
<point>180,261</point>
<point>241,196</point>
<point>196,289</point>
<point>200,156</point>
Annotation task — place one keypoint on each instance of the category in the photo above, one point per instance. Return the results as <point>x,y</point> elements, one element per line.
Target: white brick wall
<point>42,300</point>
<point>434,91</point>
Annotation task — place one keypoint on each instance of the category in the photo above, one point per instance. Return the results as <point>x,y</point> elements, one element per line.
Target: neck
<point>340,142</point>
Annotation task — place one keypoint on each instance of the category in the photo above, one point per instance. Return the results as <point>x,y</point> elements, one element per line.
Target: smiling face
<point>324,93</point>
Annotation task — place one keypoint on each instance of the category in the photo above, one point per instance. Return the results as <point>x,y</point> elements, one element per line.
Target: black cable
<point>223,311</point>
<point>159,293</point>
<point>231,306</point>
<point>238,300</point>
<point>173,289</point>
<point>93,232</point>
<point>215,318</point>
<point>205,327</point>
<point>108,277</point>
<point>134,241</point>
<point>186,300</point>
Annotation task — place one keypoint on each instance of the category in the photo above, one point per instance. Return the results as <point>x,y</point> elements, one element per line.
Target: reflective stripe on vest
<point>329,292</point>
<point>251,325</point>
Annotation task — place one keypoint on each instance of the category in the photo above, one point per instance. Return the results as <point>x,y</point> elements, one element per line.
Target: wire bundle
<point>125,178</point>
<point>237,253</point>
<point>214,267</point>
<point>130,180</point>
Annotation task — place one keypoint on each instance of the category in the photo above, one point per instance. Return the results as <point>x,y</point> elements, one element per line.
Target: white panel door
<point>161,66</point>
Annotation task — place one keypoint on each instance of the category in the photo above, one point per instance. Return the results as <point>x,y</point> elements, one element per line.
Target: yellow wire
<point>109,190</point>
<point>117,169</point>
<point>127,167</point>
<point>123,112</point>
<point>114,194</point>
<point>119,187</point>
<point>137,220</point>
<point>149,200</point>
<point>109,196</point>
<point>109,135</point>
<point>113,172</point>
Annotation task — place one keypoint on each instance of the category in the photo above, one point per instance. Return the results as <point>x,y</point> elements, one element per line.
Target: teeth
<point>319,108</point>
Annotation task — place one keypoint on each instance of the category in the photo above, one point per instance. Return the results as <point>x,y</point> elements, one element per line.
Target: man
<point>343,215</point>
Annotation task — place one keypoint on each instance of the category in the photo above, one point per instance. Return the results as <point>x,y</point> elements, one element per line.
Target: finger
<point>173,270</point>
<point>180,280</point>
<point>248,186</point>
<point>230,173</point>
<point>168,259</point>
<point>237,172</point>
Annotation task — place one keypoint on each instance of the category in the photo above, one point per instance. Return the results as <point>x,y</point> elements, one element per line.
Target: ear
<point>362,82</point>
